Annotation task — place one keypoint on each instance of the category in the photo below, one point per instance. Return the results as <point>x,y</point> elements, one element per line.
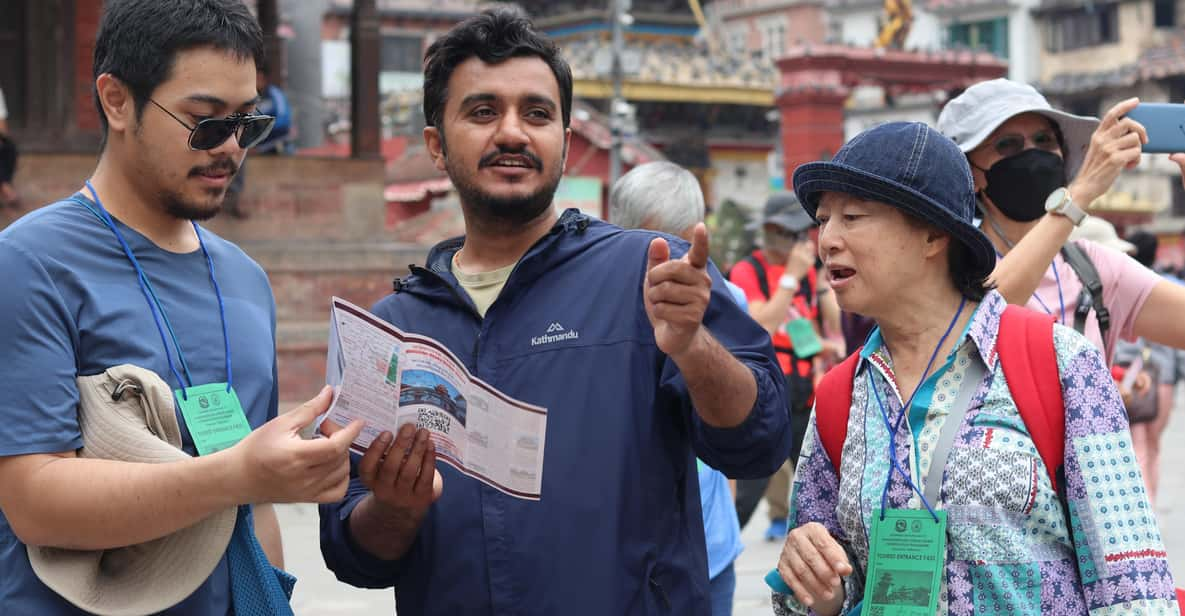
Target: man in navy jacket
<point>628,338</point>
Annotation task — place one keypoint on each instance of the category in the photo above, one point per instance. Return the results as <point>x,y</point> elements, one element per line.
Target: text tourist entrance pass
<point>907,555</point>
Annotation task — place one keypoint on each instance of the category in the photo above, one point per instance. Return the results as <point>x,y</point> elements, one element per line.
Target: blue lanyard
<point>1060,299</point>
<point>154,305</point>
<point>894,428</point>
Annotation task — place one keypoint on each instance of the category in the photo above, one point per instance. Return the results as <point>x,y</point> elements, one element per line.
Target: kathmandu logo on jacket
<point>555,333</point>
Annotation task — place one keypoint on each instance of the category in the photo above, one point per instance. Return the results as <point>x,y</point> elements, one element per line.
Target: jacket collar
<point>436,278</point>
<point>982,330</point>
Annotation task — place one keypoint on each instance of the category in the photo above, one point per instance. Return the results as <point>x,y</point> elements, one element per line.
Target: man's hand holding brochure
<point>391,379</point>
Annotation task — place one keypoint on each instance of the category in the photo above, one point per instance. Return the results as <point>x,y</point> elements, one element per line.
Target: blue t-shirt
<point>73,308</point>
<point>722,530</point>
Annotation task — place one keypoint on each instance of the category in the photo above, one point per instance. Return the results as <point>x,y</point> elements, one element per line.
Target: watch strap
<point>1068,208</point>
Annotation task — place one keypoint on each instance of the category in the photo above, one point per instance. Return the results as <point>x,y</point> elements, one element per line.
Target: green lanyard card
<point>803,337</point>
<point>214,416</point>
<point>906,561</point>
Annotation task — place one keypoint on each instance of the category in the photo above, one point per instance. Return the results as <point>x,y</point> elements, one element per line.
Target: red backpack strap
<point>833,405</point>
<point>1029,361</point>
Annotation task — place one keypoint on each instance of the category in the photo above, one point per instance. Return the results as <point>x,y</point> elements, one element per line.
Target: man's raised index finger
<point>697,255</point>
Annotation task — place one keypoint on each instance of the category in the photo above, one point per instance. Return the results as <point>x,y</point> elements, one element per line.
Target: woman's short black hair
<point>138,40</point>
<point>959,260</point>
<point>494,35</point>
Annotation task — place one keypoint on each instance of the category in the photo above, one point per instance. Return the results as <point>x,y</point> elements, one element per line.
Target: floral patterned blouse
<point>1012,548</point>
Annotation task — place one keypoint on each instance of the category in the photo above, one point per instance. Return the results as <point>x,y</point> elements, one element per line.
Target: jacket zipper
<point>661,593</point>
<point>460,300</point>
<point>580,225</point>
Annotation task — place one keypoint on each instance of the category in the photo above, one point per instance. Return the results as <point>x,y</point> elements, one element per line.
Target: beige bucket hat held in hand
<point>127,414</point>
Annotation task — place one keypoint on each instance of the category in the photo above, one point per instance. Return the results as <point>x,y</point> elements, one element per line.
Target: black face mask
<point>1019,185</point>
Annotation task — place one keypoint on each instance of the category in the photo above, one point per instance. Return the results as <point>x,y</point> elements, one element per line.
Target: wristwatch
<point>1059,202</point>
<point>790,283</point>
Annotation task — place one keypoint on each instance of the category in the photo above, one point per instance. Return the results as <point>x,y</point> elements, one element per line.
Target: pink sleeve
<point>1126,285</point>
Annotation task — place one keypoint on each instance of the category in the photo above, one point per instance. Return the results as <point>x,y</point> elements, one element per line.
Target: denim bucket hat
<point>910,166</point>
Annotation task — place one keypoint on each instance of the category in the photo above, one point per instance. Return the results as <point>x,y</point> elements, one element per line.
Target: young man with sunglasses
<point>781,285</point>
<point>121,273</point>
<point>1037,171</point>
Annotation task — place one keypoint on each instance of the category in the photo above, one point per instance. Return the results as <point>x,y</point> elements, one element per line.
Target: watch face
<point>1055,200</point>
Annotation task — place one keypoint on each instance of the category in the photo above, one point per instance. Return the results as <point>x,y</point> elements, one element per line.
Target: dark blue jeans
<point>721,589</point>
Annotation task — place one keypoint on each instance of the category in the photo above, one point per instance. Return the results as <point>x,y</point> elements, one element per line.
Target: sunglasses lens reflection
<point>210,134</point>
<point>255,129</point>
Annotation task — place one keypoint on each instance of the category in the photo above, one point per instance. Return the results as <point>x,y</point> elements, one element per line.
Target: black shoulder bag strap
<point>1092,290</point>
<point>762,280</point>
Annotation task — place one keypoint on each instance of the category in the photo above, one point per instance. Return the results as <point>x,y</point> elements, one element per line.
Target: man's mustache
<point>223,165</point>
<point>490,158</point>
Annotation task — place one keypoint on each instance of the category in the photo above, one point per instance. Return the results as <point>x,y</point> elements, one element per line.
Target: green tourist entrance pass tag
<point>905,563</point>
<point>803,337</point>
<point>214,417</point>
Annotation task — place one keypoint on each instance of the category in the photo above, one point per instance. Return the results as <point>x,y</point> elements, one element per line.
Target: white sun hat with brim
<point>971,117</point>
<point>1102,232</point>
<point>127,414</point>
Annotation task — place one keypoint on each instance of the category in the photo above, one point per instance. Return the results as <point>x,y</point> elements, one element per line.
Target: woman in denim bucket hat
<point>1037,171</point>
<point>933,443</point>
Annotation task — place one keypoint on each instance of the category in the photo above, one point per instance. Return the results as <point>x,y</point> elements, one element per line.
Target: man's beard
<point>506,212</point>
<point>178,206</point>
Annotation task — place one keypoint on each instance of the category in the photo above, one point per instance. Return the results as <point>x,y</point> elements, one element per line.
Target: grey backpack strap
<point>950,428</point>
<point>1092,289</point>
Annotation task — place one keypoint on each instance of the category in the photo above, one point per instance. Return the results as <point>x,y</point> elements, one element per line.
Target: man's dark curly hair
<point>139,40</point>
<point>494,35</point>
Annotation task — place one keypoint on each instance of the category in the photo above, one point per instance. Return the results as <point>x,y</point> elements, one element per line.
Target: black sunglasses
<point>248,128</point>
<point>1013,144</point>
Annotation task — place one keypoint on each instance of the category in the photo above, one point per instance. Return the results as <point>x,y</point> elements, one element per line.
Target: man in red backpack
<point>785,297</point>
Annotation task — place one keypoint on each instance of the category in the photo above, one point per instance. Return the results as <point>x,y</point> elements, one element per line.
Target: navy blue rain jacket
<point>618,529</point>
